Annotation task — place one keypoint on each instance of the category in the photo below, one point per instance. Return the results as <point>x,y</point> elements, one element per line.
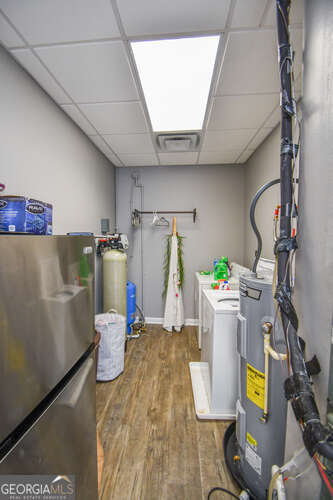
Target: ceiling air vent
<point>173,143</point>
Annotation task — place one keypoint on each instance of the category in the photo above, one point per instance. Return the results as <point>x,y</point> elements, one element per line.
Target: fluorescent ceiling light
<point>175,77</point>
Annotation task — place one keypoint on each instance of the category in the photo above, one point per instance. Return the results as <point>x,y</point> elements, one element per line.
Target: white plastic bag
<point>111,353</point>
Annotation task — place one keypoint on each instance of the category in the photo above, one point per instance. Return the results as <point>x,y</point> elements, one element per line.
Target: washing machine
<point>215,377</point>
<point>202,282</point>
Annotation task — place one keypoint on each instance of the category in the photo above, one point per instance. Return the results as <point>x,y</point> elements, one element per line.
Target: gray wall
<point>314,258</point>
<point>216,192</point>
<point>43,154</point>
<point>263,166</point>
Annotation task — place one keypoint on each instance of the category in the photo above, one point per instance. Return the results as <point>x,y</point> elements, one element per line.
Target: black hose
<point>298,388</point>
<point>253,221</point>
<point>218,488</point>
<point>326,450</point>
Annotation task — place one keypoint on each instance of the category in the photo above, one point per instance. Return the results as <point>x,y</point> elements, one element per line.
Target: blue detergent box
<point>48,218</point>
<point>19,214</point>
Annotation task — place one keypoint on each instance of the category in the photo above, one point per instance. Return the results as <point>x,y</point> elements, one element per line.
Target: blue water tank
<point>131,304</point>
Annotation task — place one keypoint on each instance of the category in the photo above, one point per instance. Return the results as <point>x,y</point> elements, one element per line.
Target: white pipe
<point>269,349</point>
<point>277,485</point>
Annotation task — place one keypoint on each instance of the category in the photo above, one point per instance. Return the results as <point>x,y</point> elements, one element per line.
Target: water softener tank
<point>114,281</point>
<point>257,442</point>
<point>131,305</point>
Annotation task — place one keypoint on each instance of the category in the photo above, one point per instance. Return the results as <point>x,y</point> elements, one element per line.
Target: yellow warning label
<point>255,386</point>
<point>250,439</point>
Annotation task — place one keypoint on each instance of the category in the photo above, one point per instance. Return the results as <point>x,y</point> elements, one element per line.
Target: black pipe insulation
<point>298,388</point>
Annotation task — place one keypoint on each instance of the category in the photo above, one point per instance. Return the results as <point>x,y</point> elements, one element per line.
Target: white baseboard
<point>191,322</point>
<point>154,321</point>
<point>159,321</point>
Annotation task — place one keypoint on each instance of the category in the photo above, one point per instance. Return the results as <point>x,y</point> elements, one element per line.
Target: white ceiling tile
<point>245,156</point>
<point>227,139</point>
<point>92,72</point>
<point>139,160</point>
<point>116,117</point>
<point>296,13</point>
<point>159,16</point>
<point>31,63</point>
<point>275,118</point>
<point>98,141</point>
<point>178,158</point>
<point>259,138</point>
<point>219,157</point>
<point>248,14</point>
<point>8,36</point>
<point>79,119</point>
<point>49,21</point>
<point>244,111</point>
<point>130,143</point>
<point>250,64</point>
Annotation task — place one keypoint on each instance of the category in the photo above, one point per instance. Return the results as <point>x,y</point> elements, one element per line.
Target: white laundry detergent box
<point>19,214</point>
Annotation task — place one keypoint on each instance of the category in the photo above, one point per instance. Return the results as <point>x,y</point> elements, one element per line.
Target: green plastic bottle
<point>221,269</point>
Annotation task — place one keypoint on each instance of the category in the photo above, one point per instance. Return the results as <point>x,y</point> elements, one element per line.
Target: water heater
<point>257,440</point>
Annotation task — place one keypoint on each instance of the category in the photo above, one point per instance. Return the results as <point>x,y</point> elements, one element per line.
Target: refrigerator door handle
<point>12,440</point>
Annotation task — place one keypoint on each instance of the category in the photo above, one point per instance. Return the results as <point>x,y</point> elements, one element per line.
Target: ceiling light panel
<point>159,16</point>
<point>176,77</point>
<point>49,21</point>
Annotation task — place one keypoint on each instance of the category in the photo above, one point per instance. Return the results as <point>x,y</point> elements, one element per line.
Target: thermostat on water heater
<point>252,293</point>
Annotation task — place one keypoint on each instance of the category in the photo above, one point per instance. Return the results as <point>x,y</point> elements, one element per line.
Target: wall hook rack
<point>136,212</point>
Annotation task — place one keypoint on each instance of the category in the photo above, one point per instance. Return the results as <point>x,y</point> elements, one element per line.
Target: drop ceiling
<point>79,52</point>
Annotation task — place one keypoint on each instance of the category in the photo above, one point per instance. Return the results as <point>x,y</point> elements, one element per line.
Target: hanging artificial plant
<point>166,264</point>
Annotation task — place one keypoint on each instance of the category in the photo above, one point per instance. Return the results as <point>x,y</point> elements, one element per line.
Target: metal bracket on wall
<point>136,212</point>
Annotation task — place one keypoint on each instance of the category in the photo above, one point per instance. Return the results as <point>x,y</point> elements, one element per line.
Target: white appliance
<point>215,378</point>
<point>202,282</point>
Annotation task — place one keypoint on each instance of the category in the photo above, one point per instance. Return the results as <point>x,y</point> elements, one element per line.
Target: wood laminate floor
<point>155,448</point>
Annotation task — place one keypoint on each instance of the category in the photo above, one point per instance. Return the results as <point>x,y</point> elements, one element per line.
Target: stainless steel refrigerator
<point>47,365</point>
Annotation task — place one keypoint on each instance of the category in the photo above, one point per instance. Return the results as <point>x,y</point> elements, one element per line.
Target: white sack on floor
<point>111,352</point>
<point>174,309</point>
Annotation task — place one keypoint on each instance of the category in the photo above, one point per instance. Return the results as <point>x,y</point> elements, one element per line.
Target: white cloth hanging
<point>174,309</point>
